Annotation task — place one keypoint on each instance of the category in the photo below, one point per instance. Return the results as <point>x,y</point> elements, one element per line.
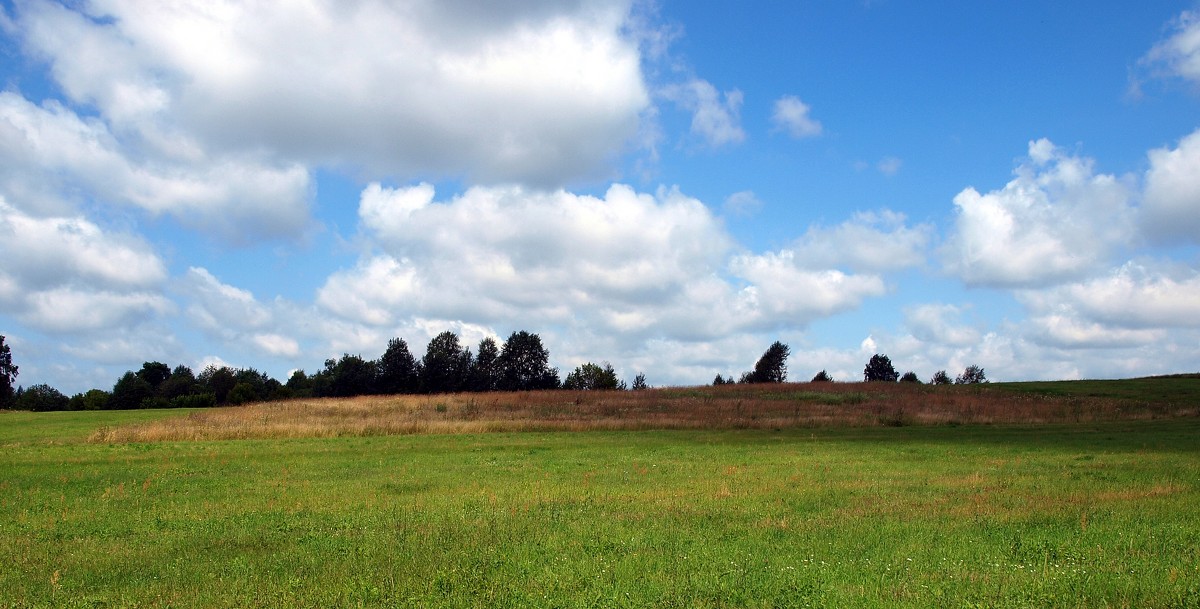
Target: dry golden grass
<point>725,407</point>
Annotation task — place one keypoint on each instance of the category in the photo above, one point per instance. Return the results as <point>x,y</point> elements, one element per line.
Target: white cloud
<point>276,344</point>
<point>869,241</point>
<point>1133,296</point>
<point>221,309</point>
<point>1055,222</point>
<point>544,91</point>
<point>1179,55</point>
<point>784,292</point>
<point>941,324</point>
<point>716,116</point>
<point>606,278</point>
<point>1171,205</point>
<point>66,274</point>
<point>792,116</point>
<point>742,203</point>
<point>49,152</point>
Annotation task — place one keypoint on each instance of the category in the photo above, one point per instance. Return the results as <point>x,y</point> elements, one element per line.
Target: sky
<point>667,186</point>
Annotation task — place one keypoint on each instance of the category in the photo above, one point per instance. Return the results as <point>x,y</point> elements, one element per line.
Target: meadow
<point>1092,506</point>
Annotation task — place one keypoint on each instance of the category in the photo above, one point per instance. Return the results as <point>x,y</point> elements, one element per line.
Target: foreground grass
<point>1094,515</point>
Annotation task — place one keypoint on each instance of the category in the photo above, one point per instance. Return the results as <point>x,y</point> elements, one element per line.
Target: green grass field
<point>1089,515</point>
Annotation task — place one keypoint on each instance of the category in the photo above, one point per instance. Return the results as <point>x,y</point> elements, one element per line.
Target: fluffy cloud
<point>716,117</point>
<point>1134,296</point>
<point>544,91</point>
<point>783,291</point>
<point>599,276</point>
<point>1179,55</point>
<point>792,117</point>
<point>1055,221</point>
<point>1171,206</point>
<point>49,152</point>
<point>941,324</point>
<point>66,274</point>
<point>869,241</point>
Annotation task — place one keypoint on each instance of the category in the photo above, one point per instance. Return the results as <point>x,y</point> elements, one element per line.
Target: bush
<point>42,398</point>
<point>910,377</point>
<point>940,378</point>
<point>822,377</point>
<point>880,369</point>
<point>973,375</point>
<point>242,393</point>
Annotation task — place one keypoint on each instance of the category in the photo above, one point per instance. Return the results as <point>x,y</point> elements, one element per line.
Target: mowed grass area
<point>1097,514</point>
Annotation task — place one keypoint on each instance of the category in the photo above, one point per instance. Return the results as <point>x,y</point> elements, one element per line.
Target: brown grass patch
<point>728,407</point>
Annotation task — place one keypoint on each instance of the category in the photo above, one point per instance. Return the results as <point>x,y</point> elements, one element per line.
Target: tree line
<point>772,368</point>
<point>521,363</point>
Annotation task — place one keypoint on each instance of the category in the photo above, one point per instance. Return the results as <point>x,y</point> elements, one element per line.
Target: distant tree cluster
<point>520,364</point>
<point>772,368</point>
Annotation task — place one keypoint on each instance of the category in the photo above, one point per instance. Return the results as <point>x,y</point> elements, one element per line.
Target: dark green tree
<point>880,369</point>
<point>350,376</point>
<point>397,369</point>
<point>940,378</point>
<point>822,377</point>
<point>973,375</point>
<point>718,380</point>
<point>590,376</point>
<point>93,399</point>
<point>218,381</point>
<point>772,366</point>
<point>910,377</point>
<point>181,382</point>
<point>129,392</point>
<point>42,398</point>
<point>525,364</point>
<point>445,365</point>
<point>154,373</point>
<point>639,382</point>
<point>485,369</point>
<point>8,375</point>
<point>300,385</point>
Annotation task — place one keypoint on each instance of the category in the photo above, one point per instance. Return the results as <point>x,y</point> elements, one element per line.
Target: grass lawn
<point>1086,515</point>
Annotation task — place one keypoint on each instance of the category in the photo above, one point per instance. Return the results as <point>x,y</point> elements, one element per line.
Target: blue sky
<point>666,186</point>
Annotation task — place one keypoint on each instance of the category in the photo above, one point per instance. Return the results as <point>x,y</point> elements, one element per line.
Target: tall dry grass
<point>722,407</point>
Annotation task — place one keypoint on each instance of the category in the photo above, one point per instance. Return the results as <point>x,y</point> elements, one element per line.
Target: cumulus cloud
<point>1179,55</point>
<point>941,324</point>
<point>623,270</point>
<point>869,241</point>
<point>783,291</point>
<point>792,117</point>
<point>48,153</point>
<point>1171,205</point>
<point>66,274</point>
<point>716,116</point>
<point>543,91</point>
<point>1136,295</point>
<point>1056,221</point>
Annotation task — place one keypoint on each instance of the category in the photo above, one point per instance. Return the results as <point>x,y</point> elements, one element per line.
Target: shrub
<point>822,377</point>
<point>880,369</point>
<point>973,375</point>
<point>42,398</point>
